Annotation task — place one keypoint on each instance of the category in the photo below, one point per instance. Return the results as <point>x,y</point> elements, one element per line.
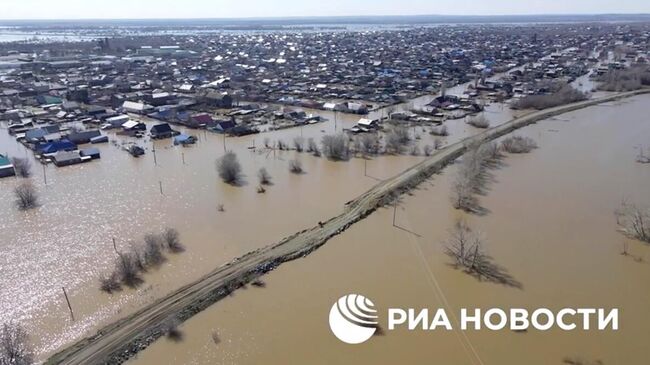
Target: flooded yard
<point>550,224</point>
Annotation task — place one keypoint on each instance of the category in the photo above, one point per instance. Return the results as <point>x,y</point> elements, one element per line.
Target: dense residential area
<point>239,191</point>
<point>55,98</point>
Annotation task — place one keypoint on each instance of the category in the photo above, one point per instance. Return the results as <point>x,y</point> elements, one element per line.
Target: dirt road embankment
<point>121,340</point>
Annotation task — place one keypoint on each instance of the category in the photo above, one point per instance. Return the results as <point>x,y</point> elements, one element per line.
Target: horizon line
<point>299,17</point>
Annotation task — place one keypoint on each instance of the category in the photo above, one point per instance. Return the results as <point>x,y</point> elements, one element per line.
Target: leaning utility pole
<point>68,301</point>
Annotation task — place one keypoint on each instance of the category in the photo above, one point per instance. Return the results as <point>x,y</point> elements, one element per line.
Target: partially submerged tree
<point>370,143</point>
<point>464,247</point>
<point>642,157</point>
<point>471,177</point>
<point>110,283</point>
<point>336,147</point>
<point>229,168</point>
<point>299,143</point>
<point>295,166</point>
<point>172,241</point>
<point>440,131</point>
<point>479,121</point>
<point>139,258</point>
<point>312,147</point>
<point>462,193</point>
<point>632,78</point>
<point>397,140</point>
<point>153,255</point>
<point>127,267</point>
<point>22,166</point>
<point>170,329</point>
<point>565,94</point>
<point>634,221</point>
<point>357,146</point>
<point>264,176</point>
<point>14,349</point>
<point>26,196</point>
<point>518,144</point>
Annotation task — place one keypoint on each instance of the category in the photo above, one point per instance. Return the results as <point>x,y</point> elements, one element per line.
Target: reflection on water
<point>551,225</point>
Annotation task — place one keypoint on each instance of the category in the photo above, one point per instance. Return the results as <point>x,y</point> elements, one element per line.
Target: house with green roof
<point>6,168</point>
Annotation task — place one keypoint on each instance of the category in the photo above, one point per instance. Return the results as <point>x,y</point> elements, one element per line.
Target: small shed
<point>91,152</point>
<point>99,139</point>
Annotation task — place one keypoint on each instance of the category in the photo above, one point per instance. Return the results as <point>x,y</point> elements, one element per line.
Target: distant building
<point>218,100</point>
<point>134,107</point>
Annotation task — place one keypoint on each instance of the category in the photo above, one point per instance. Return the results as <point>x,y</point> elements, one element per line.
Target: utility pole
<point>183,157</point>
<point>155,160</point>
<point>394,212</point>
<point>115,246</point>
<point>68,301</point>
<point>161,190</point>
<point>224,143</point>
<point>44,175</point>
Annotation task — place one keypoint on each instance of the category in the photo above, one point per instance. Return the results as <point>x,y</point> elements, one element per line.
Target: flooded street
<point>550,225</point>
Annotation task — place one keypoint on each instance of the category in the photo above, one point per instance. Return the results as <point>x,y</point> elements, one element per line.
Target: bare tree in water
<point>634,221</point>
<point>22,166</point>
<point>229,168</point>
<point>14,349</point>
<point>26,196</point>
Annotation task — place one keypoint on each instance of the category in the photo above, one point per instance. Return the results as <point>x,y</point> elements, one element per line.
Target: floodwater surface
<point>68,240</point>
<point>550,225</point>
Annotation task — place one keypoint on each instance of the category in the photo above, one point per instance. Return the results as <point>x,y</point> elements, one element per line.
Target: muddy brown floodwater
<point>67,241</point>
<point>550,225</point>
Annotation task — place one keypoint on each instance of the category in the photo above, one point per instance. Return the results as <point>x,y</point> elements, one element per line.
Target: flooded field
<point>550,224</point>
<point>67,241</point>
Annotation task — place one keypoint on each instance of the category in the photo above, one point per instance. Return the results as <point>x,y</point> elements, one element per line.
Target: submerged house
<point>161,131</point>
<point>224,126</point>
<point>132,125</point>
<point>56,146</point>
<point>241,130</point>
<point>116,121</point>
<point>6,168</point>
<point>42,134</point>
<point>200,120</point>
<point>66,158</point>
<point>83,137</point>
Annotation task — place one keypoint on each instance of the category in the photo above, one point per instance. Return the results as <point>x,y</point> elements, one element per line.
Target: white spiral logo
<point>353,319</point>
